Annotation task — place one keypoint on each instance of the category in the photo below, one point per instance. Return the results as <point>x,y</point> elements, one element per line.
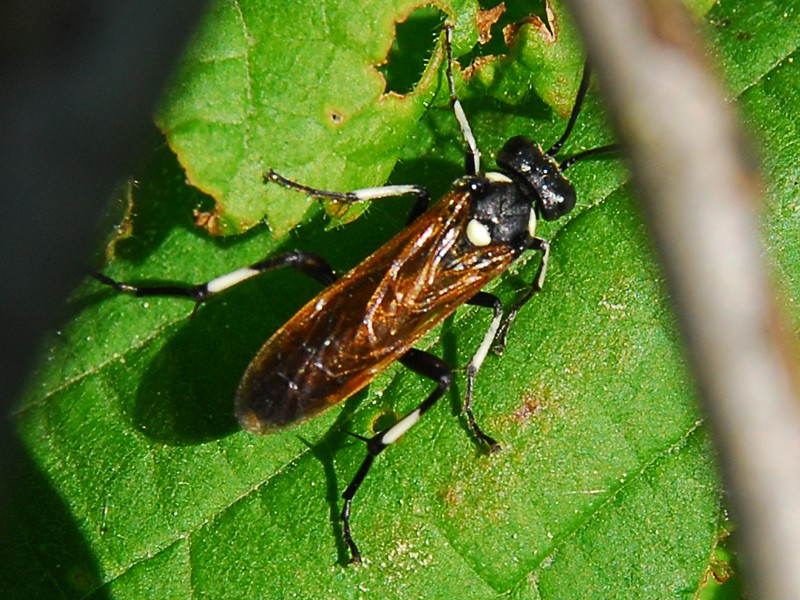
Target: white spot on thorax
<point>478,234</point>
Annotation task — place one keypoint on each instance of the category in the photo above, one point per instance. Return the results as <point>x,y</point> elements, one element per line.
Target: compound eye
<point>478,234</point>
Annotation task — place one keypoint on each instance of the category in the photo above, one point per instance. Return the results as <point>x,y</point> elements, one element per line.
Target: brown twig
<point>701,196</point>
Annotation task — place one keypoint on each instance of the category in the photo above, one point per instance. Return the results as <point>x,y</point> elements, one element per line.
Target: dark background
<point>78,83</point>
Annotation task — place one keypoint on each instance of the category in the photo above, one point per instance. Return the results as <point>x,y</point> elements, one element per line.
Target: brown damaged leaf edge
<point>485,19</point>
<point>719,569</point>
<point>124,228</point>
<point>549,31</point>
<point>210,220</point>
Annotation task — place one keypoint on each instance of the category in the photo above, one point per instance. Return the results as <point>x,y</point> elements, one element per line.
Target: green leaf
<point>134,481</point>
<point>260,75</point>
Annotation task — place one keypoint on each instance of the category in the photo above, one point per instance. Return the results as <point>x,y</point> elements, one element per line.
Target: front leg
<point>537,244</point>
<point>364,194</point>
<point>484,300</point>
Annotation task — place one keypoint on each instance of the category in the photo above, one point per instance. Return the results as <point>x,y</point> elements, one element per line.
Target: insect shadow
<point>324,450</point>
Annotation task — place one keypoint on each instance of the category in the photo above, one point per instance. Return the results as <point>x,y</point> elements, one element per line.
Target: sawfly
<point>372,316</point>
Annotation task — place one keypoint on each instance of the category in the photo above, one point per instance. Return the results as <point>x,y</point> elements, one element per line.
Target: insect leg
<point>473,157</point>
<point>372,193</point>
<point>429,366</point>
<point>484,300</point>
<point>308,263</point>
<point>536,286</point>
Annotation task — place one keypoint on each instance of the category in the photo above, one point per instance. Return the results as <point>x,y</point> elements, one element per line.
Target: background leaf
<point>245,89</point>
<point>135,482</point>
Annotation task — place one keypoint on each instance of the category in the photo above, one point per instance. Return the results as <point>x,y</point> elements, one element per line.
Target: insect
<point>372,316</point>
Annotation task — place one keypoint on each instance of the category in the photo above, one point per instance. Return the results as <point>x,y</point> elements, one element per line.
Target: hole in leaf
<point>412,48</point>
<point>515,11</point>
<point>336,116</point>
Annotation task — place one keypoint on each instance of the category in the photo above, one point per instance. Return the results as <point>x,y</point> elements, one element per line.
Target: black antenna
<point>576,110</point>
<point>567,163</point>
<point>573,118</point>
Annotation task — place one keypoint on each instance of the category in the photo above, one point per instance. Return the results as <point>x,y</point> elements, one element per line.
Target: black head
<point>554,195</point>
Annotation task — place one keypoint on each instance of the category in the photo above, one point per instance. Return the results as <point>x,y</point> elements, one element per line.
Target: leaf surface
<point>135,482</point>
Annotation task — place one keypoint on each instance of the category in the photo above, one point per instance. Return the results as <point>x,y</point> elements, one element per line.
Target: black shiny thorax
<point>528,185</point>
<point>502,207</point>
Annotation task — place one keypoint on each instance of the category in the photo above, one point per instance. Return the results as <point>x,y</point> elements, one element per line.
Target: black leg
<point>484,300</point>
<point>308,263</point>
<point>429,366</point>
<point>374,193</point>
<point>420,206</point>
<point>536,286</point>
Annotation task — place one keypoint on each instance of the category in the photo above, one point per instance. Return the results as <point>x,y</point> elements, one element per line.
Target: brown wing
<point>337,343</point>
